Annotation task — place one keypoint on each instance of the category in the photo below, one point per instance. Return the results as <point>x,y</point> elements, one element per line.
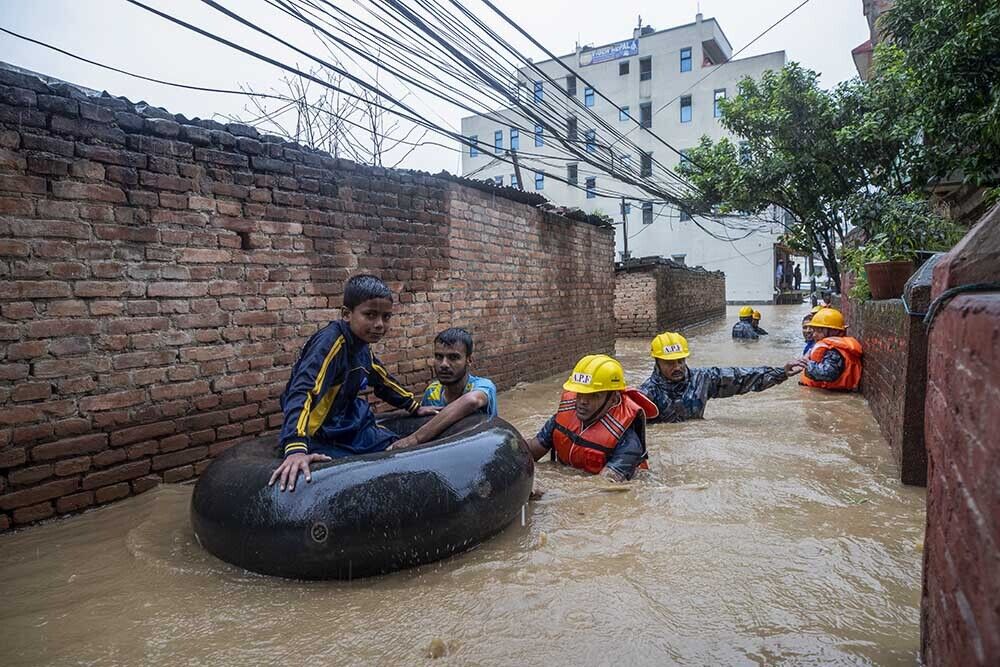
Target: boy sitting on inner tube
<point>456,392</point>
<point>601,424</point>
<point>324,416</point>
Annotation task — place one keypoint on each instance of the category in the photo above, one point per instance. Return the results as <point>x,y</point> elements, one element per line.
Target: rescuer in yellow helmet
<point>600,424</point>
<point>834,360</point>
<point>744,328</point>
<point>680,393</point>
<point>756,324</point>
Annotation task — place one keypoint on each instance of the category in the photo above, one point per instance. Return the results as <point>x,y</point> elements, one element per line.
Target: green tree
<point>800,149</point>
<point>937,75</point>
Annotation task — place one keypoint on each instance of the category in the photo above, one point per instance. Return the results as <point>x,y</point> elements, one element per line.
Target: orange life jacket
<point>850,349</point>
<point>589,448</point>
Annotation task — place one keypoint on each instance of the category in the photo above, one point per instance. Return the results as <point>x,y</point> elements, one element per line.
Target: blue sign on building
<point>629,47</point>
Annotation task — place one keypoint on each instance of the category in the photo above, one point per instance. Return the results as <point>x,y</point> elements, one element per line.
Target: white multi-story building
<point>683,70</point>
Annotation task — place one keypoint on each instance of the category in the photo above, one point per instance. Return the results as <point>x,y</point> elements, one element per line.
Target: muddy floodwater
<point>772,532</point>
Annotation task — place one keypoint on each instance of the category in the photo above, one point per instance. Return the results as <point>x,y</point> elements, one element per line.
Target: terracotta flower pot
<point>887,279</point>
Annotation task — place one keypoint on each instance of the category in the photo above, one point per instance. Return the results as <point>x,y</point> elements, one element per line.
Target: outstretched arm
<point>726,382</point>
<point>451,413</point>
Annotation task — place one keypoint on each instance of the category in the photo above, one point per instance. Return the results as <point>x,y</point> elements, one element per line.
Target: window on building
<point>474,145</point>
<point>498,141</point>
<point>571,85</point>
<point>684,215</point>
<point>686,59</point>
<point>679,258</point>
<point>591,138</point>
<point>515,138</point>
<point>539,136</point>
<point>623,113</point>
<point>646,114</point>
<point>572,172</point>
<point>539,180</point>
<point>628,209</point>
<point>588,97</point>
<point>626,162</point>
<point>498,181</point>
<point>744,152</point>
<point>647,212</point>
<point>646,164</point>
<point>538,91</point>
<point>513,181</point>
<point>720,95</point>
<point>686,109</point>
<point>571,134</point>
<point>591,185</point>
<point>623,68</point>
<point>645,69</point>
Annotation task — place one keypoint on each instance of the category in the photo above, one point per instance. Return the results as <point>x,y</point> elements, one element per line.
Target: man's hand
<point>290,468</point>
<point>403,443</point>
<point>427,411</point>
<point>793,367</point>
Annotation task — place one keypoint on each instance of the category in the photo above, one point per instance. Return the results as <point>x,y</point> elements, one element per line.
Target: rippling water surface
<point>774,531</point>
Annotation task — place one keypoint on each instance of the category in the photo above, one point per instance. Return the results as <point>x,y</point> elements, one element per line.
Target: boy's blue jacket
<point>321,402</point>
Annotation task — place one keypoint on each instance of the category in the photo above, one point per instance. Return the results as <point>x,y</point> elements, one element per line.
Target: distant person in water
<point>807,333</point>
<point>681,393</point>
<point>600,426</point>
<point>324,417</point>
<point>456,391</point>
<point>834,361</point>
<point>755,322</point>
<point>744,328</point>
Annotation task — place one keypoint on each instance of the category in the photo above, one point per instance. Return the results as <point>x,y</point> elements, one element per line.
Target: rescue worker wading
<point>600,424</point>
<point>834,361</point>
<point>681,393</point>
<point>756,324</point>
<point>744,328</point>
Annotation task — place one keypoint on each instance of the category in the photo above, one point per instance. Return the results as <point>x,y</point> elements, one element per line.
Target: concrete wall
<point>158,277</point>
<point>653,295</point>
<point>960,612</point>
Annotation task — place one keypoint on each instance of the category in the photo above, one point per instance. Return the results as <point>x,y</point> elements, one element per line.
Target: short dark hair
<point>454,336</point>
<point>362,287</point>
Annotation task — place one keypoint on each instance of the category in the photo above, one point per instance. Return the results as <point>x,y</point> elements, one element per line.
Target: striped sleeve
<point>321,360</point>
<point>390,390</point>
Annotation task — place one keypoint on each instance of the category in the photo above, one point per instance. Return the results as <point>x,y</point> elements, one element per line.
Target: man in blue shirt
<point>456,392</point>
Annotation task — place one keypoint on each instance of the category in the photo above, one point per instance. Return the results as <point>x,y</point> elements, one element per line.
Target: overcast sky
<point>820,36</point>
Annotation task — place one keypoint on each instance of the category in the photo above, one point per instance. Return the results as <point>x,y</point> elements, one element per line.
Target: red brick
<point>174,475</point>
<point>73,466</point>
<point>33,433</point>
<point>117,474</point>
<point>61,327</point>
<point>86,444</point>
<point>12,457</point>
<point>23,476</point>
<point>179,458</point>
<point>29,289</point>
<point>22,184</point>
<point>26,350</point>
<point>31,391</point>
<point>100,289</point>
<point>177,289</point>
<point>75,502</point>
<point>138,433</point>
<point>10,248</point>
<point>122,399</point>
<point>88,191</point>
<point>179,390</point>
<point>33,513</point>
<point>143,359</point>
<point>106,494</point>
<point>145,483</point>
<point>38,494</point>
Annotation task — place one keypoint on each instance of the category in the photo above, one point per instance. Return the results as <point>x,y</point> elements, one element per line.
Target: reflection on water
<point>773,531</point>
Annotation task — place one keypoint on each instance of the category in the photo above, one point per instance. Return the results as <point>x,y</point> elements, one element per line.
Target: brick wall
<point>653,295</point>
<point>159,275</point>
<point>960,609</point>
<point>895,370</point>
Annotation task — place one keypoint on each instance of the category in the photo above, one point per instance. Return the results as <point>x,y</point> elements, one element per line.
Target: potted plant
<point>899,231</point>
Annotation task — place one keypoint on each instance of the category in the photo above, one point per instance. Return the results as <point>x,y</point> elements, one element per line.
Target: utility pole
<point>517,170</point>
<point>625,255</point>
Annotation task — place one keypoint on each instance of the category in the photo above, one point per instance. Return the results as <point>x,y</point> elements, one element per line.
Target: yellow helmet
<point>756,314</point>
<point>594,373</point>
<point>669,345</point>
<point>746,311</point>
<point>829,318</point>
